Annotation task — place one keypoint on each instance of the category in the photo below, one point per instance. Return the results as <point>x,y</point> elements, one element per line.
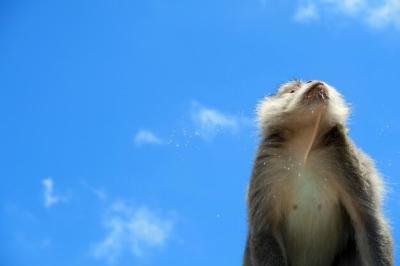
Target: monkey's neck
<point>304,138</point>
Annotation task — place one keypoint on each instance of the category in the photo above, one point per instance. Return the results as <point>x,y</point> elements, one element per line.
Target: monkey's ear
<point>267,111</point>
<point>262,112</point>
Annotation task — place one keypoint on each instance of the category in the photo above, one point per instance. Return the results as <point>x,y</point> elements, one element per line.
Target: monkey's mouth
<point>316,93</point>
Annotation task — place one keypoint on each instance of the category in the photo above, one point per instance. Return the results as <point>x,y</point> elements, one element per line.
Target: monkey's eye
<point>294,88</point>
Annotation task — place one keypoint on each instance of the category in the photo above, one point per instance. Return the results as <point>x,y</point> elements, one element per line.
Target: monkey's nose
<point>312,83</point>
<point>316,90</point>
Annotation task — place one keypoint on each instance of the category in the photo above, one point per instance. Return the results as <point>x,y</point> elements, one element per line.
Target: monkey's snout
<point>316,92</point>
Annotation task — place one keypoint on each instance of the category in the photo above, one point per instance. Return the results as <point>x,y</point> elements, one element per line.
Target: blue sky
<point>127,127</point>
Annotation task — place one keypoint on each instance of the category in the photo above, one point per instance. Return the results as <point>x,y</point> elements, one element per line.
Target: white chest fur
<point>312,224</point>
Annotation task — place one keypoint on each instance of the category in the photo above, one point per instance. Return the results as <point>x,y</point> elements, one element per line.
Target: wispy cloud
<point>377,14</point>
<point>204,123</point>
<point>348,6</point>
<point>145,136</point>
<point>130,230</point>
<point>386,14</point>
<point>306,13</point>
<point>209,122</point>
<point>50,198</point>
<point>100,193</point>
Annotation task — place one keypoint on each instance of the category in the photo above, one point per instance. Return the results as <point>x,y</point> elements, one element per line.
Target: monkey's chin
<point>311,103</point>
<point>311,110</point>
<point>315,100</point>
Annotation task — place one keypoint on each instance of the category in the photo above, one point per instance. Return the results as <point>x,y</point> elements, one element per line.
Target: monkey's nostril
<point>316,91</point>
<point>309,81</point>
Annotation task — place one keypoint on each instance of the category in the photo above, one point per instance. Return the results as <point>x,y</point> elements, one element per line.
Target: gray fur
<point>325,210</point>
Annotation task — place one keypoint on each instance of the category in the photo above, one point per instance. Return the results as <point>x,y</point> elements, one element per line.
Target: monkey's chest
<point>312,223</point>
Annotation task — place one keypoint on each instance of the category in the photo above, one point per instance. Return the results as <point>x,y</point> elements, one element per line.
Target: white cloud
<point>306,13</point>
<point>375,13</point>
<point>146,137</point>
<point>386,14</point>
<point>347,6</point>
<point>132,231</point>
<point>50,198</point>
<point>209,122</point>
<point>101,194</point>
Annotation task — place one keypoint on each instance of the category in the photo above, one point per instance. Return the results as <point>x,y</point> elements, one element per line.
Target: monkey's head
<point>297,103</point>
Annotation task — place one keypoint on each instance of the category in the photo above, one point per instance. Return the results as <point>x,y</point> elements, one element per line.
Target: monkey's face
<point>297,102</point>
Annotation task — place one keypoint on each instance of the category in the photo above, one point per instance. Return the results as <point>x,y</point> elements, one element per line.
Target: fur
<point>314,199</point>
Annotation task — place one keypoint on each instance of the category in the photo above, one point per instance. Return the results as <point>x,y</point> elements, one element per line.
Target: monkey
<point>314,198</point>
